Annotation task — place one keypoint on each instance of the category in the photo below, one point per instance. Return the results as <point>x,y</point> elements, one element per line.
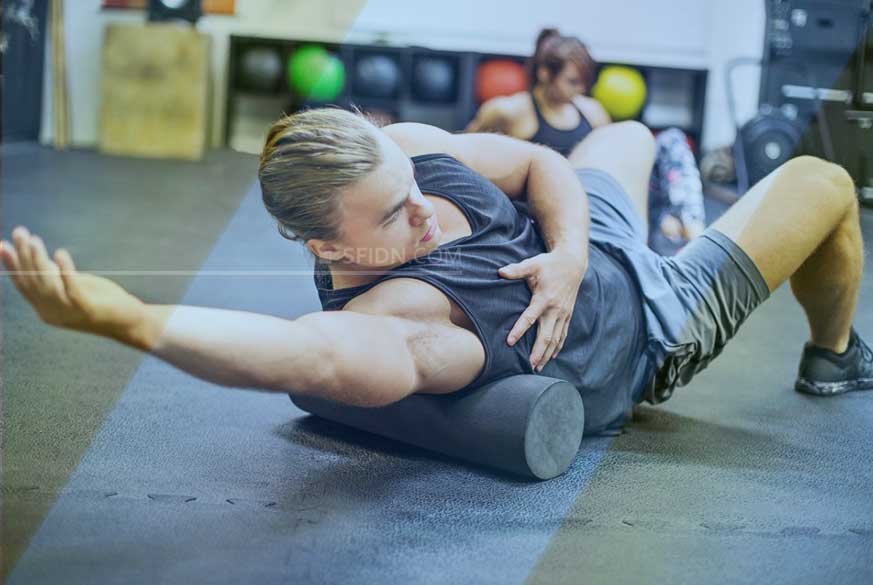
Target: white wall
<point>684,33</point>
<point>624,30</point>
<point>85,22</point>
<point>735,28</point>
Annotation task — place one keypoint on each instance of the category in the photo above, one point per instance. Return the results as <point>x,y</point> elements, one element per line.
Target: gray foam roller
<point>528,425</point>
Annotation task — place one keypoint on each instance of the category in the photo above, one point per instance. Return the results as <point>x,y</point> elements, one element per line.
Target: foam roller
<point>527,425</point>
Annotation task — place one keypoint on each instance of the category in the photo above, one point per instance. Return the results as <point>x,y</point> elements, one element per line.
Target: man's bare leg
<point>625,150</point>
<point>801,224</point>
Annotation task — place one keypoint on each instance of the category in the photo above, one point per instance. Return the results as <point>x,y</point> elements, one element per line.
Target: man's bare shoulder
<point>408,298</point>
<point>413,299</point>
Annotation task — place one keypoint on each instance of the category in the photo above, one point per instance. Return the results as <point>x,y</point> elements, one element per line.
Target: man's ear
<point>543,75</point>
<point>324,249</point>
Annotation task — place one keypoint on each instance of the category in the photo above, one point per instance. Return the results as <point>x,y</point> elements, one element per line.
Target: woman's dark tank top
<point>603,355</point>
<point>564,141</point>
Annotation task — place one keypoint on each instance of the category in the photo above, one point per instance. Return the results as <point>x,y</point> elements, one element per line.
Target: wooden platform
<point>155,91</point>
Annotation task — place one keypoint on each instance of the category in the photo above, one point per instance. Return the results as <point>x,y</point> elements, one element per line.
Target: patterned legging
<point>675,187</point>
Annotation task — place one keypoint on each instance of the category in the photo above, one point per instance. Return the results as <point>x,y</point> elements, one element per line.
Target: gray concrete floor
<point>114,214</point>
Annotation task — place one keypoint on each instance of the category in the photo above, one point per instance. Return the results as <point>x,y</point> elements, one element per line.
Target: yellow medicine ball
<point>621,91</point>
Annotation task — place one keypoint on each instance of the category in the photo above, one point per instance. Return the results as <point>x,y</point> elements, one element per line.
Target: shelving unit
<point>676,96</point>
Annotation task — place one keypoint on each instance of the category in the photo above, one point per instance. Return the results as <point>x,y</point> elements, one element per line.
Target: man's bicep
<point>380,359</point>
<point>366,358</point>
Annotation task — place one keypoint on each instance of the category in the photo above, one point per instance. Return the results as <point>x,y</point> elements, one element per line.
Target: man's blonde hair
<point>308,158</point>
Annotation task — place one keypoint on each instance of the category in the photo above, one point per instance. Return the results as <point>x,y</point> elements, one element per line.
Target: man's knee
<point>829,181</point>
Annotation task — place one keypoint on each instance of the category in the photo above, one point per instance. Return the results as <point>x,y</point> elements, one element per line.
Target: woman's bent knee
<point>630,130</point>
<point>638,132</point>
<point>629,140</point>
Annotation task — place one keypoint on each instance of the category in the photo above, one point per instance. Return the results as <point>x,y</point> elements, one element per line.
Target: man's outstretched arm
<point>361,359</point>
<point>348,357</point>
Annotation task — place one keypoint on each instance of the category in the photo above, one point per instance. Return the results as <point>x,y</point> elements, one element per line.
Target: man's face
<point>386,221</point>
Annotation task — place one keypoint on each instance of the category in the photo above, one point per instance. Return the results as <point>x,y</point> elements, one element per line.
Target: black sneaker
<point>824,373</point>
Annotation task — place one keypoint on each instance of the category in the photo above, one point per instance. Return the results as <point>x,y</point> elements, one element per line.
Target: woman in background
<point>556,112</point>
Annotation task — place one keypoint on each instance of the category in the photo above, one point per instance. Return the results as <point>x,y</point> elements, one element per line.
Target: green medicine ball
<point>316,74</point>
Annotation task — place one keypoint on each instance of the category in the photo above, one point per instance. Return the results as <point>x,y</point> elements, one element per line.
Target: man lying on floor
<point>437,254</point>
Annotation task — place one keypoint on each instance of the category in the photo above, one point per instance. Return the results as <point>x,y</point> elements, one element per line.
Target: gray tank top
<point>604,354</point>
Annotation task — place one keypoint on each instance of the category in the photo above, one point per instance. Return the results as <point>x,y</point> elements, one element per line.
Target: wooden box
<point>155,91</point>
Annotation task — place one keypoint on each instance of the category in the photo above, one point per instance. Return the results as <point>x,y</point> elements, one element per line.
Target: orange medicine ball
<point>500,77</point>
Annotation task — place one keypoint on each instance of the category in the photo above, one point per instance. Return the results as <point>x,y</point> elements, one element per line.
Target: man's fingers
<point>17,255</point>
<point>560,325</point>
<point>21,238</point>
<point>561,328</point>
<point>518,270</point>
<point>564,333</point>
<point>527,319</point>
<point>68,272</point>
<point>545,343</point>
<point>9,255</point>
<point>20,235</point>
<point>30,251</point>
<point>10,260</point>
<point>553,346</point>
<point>47,279</point>
<point>41,261</point>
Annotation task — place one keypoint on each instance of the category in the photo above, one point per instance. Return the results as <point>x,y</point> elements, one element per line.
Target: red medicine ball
<point>500,77</point>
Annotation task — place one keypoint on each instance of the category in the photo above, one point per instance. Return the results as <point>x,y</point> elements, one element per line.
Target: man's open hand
<point>554,280</point>
<point>64,297</point>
